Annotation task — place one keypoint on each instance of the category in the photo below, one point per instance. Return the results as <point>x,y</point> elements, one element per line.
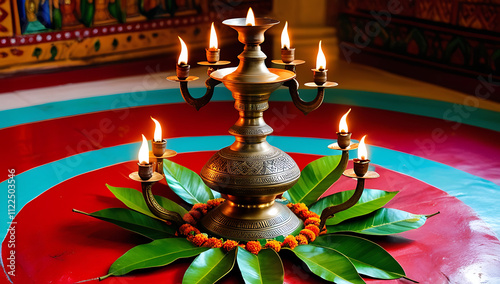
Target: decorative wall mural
<point>47,34</point>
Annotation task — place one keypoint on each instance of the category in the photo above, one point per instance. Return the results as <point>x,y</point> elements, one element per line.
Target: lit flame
<point>183,57</point>
<point>343,123</point>
<point>285,39</point>
<point>250,18</point>
<point>362,153</point>
<point>157,136</point>
<point>213,38</point>
<point>144,151</point>
<point>320,60</point>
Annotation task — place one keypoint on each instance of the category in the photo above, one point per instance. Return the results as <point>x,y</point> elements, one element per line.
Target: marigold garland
<point>306,235</point>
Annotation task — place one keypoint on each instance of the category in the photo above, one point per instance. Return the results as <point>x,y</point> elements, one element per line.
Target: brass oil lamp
<point>250,173</point>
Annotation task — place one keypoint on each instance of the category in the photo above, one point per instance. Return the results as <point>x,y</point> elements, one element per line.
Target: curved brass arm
<point>330,211</point>
<point>305,107</point>
<point>202,101</point>
<point>156,209</point>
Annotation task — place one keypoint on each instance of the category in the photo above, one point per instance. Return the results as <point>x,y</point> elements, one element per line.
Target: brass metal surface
<point>251,172</point>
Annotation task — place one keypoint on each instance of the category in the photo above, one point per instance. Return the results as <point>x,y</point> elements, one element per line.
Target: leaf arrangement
<point>340,258</point>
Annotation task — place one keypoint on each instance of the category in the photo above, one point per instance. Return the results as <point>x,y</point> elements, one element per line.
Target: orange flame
<point>250,18</point>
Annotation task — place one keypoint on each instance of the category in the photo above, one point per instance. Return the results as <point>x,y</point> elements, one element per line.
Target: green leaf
<point>37,52</point>
<point>367,257</point>
<point>97,45</point>
<point>186,183</point>
<point>133,221</point>
<point>263,268</point>
<point>210,266</point>
<point>328,264</point>
<point>384,221</point>
<point>155,254</point>
<point>134,200</point>
<point>371,200</point>
<point>53,53</point>
<point>315,179</point>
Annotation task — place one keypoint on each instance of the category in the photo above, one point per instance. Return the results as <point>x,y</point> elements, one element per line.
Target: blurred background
<point>449,43</point>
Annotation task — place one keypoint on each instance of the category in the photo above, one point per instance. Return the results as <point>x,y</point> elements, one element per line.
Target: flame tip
<point>213,38</point>
<point>362,152</point>
<point>250,21</point>
<point>183,57</point>
<point>285,39</point>
<point>321,59</point>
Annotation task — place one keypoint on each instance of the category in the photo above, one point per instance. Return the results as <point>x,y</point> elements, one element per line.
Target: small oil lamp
<point>250,21</point>
<point>344,136</point>
<point>182,68</point>
<point>159,144</point>
<point>361,163</point>
<point>213,52</point>
<point>145,168</point>
<point>287,52</point>
<point>320,72</point>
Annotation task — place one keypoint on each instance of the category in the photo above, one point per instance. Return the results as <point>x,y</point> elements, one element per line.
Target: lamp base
<point>232,221</point>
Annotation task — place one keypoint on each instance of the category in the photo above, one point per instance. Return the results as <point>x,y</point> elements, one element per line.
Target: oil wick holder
<point>159,153</point>
<point>159,148</point>
<point>151,202</point>
<point>344,139</point>
<point>145,171</point>
<point>330,212</point>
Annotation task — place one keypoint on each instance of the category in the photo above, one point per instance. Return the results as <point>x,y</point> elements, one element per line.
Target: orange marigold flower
<point>200,207</point>
<point>324,231</point>
<point>199,239</point>
<point>311,214</point>
<point>229,245</point>
<point>290,242</point>
<point>183,228</point>
<point>253,247</point>
<point>313,228</point>
<point>187,229</point>
<point>242,246</point>
<point>212,243</point>
<point>289,205</point>
<point>308,234</point>
<point>189,219</point>
<point>312,221</point>
<point>196,214</point>
<point>275,245</point>
<point>303,214</point>
<point>301,239</point>
<point>297,207</point>
<point>214,203</point>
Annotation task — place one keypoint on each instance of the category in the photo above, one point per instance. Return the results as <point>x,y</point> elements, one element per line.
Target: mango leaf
<point>186,183</point>
<point>210,266</point>
<point>156,253</point>
<point>134,200</point>
<point>328,264</point>
<point>263,268</point>
<point>315,179</point>
<point>384,221</point>
<point>134,221</point>
<point>367,257</point>
<point>371,200</point>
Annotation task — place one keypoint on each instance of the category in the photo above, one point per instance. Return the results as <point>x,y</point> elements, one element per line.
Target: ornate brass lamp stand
<point>251,173</point>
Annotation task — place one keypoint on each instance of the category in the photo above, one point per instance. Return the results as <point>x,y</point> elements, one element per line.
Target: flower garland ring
<point>307,235</point>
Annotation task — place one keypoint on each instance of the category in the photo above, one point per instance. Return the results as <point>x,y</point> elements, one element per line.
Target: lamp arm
<point>156,208</point>
<point>330,211</point>
<point>305,107</point>
<point>202,101</point>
